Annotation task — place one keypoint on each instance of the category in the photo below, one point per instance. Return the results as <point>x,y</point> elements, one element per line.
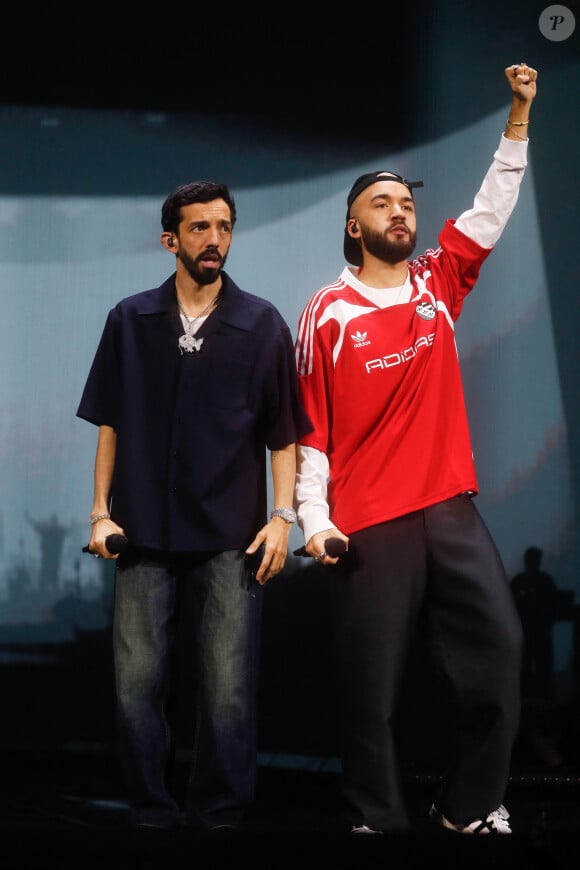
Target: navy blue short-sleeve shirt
<point>193,428</point>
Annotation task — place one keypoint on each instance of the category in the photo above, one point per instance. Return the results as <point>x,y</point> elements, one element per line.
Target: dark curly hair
<point>186,194</point>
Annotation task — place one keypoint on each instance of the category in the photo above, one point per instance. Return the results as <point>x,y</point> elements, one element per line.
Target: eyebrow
<point>383,195</point>
<point>208,221</point>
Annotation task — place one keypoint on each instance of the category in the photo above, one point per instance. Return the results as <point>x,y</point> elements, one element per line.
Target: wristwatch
<point>287,514</point>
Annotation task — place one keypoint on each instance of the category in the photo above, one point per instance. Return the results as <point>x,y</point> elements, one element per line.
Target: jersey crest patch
<point>425,310</point>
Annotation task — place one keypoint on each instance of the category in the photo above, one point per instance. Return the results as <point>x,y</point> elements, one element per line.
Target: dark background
<point>356,75</point>
<point>283,67</point>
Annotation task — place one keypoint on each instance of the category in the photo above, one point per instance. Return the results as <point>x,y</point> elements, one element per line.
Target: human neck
<point>376,273</point>
<point>194,298</point>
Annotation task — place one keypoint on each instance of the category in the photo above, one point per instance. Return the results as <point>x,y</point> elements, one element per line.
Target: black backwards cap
<point>352,249</point>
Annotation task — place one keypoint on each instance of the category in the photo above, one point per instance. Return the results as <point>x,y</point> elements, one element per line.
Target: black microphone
<point>115,544</point>
<point>333,547</point>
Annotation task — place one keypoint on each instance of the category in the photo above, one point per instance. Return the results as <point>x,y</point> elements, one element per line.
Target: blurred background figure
<point>537,600</point>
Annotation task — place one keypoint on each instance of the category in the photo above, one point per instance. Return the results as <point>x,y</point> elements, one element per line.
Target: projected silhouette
<point>51,534</point>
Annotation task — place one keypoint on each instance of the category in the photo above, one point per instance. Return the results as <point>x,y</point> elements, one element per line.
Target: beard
<point>203,275</point>
<point>387,250</point>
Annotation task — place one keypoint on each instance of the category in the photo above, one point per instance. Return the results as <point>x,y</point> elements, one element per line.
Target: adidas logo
<point>360,339</point>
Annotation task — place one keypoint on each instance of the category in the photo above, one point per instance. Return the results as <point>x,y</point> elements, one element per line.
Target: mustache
<point>210,251</point>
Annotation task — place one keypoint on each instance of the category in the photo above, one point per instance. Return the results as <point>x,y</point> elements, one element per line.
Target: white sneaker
<point>495,823</point>
<point>363,829</point>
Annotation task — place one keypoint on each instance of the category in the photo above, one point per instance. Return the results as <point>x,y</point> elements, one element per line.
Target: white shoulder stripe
<point>307,325</point>
<point>319,311</point>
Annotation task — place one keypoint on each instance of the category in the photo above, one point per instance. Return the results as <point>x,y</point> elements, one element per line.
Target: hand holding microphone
<point>115,544</point>
<point>333,547</point>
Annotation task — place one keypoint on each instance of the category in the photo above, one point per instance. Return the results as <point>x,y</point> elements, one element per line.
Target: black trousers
<point>441,566</point>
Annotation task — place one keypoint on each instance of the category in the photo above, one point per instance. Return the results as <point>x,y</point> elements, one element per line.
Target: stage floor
<point>64,807</point>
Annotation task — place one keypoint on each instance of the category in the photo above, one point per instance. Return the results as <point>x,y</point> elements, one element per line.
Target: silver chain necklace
<point>187,341</point>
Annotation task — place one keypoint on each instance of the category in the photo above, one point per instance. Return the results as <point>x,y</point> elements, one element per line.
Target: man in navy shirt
<point>192,383</point>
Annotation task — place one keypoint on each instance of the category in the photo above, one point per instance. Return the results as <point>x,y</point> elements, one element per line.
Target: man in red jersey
<point>388,469</point>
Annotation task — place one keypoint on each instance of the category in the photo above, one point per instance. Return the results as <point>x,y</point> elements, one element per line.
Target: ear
<point>353,229</point>
<point>169,242</point>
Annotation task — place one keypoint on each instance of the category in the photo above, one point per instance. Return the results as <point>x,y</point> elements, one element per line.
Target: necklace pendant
<point>189,344</point>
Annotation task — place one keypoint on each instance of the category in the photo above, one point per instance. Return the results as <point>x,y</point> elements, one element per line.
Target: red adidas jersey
<point>381,384</point>
<point>379,375</point>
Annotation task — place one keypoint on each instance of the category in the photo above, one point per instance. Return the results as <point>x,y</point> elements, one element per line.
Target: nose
<point>214,236</point>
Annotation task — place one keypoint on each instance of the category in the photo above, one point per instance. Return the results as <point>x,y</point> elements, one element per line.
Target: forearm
<point>311,491</point>
<point>518,121</point>
<point>497,196</point>
<point>283,466</point>
<point>104,468</point>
